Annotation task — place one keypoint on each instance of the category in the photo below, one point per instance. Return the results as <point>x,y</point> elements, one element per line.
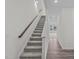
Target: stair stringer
<point>45,38</point>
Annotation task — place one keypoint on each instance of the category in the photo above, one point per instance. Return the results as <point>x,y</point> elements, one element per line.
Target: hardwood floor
<point>56,52</point>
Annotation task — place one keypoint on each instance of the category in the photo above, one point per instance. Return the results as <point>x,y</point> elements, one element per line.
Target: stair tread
<point>37,33</point>
<point>33,47</point>
<point>35,37</point>
<point>39,27</point>
<point>32,54</point>
<point>35,41</point>
<point>38,30</point>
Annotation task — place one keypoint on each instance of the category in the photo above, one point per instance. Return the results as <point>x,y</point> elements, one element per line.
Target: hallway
<point>55,51</point>
<point>28,24</point>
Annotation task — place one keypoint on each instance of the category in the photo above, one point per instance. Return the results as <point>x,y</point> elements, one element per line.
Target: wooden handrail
<point>27,27</point>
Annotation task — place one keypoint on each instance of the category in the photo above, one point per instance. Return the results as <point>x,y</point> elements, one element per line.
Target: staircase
<point>33,49</point>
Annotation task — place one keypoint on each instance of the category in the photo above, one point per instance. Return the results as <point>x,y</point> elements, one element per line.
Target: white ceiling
<point>61,3</point>
<point>57,7</point>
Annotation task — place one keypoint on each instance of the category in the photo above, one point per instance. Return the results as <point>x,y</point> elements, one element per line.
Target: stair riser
<point>41,22</point>
<point>39,26</point>
<point>37,31</point>
<point>32,50</point>
<point>39,57</point>
<point>34,44</point>
<point>36,39</point>
<point>36,35</point>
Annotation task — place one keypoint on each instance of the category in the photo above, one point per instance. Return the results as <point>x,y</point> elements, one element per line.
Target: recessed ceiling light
<point>55,1</point>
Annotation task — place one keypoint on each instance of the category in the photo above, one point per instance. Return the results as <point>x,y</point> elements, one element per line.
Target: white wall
<point>41,6</point>
<point>19,13</point>
<point>66,28</point>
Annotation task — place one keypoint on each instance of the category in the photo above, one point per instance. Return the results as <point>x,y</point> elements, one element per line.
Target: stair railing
<point>27,27</point>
